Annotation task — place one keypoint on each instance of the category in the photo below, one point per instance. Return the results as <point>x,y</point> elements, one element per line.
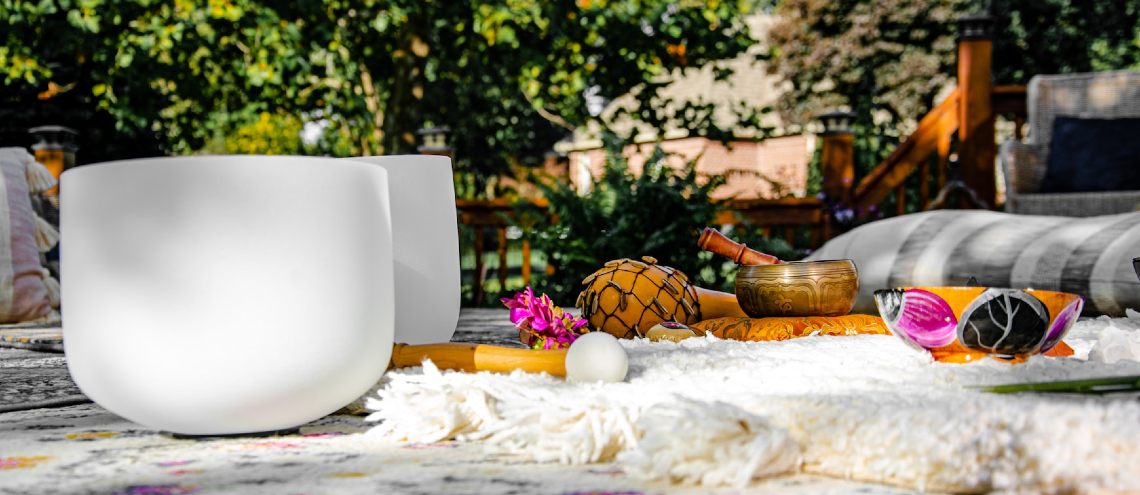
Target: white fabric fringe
<point>47,236</point>
<point>864,407</point>
<point>40,179</point>
<point>685,440</point>
<point>718,444</point>
<point>531,414</point>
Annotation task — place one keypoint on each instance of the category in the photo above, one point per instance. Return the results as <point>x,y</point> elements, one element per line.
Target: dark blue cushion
<point>1091,155</point>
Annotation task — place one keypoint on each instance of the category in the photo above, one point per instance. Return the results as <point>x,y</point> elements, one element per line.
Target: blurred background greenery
<point>510,78</point>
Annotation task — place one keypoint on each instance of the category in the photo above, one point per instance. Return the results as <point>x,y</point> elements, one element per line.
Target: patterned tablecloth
<point>52,440</point>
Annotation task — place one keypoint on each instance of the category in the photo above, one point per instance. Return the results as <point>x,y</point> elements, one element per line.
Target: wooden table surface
<point>34,370</point>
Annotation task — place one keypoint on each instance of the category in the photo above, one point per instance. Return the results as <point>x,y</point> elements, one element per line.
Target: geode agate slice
<point>1004,321</point>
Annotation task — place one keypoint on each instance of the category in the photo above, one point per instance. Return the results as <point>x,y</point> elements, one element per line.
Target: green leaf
<point>125,58</point>
<point>1119,384</point>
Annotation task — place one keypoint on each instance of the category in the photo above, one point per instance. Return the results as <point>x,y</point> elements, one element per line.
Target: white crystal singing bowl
<point>425,246</point>
<point>226,294</point>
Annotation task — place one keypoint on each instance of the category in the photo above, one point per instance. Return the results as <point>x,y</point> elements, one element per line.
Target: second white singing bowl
<point>425,246</point>
<point>226,294</point>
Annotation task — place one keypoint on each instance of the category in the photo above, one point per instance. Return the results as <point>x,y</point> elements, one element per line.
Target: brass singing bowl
<point>798,288</point>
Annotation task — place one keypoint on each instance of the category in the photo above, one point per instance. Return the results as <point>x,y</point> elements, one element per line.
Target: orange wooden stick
<point>713,241</point>
<point>717,304</point>
<point>480,357</point>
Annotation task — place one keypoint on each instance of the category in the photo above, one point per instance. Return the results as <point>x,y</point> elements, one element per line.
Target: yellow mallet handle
<point>480,357</point>
<point>717,304</point>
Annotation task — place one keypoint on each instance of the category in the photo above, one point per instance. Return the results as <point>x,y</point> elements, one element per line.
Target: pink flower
<point>541,324</point>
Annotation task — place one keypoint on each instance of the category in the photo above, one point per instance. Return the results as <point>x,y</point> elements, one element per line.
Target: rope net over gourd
<point>628,297</point>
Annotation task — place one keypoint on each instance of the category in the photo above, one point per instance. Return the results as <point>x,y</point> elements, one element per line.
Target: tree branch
<point>547,114</point>
<point>372,102</point>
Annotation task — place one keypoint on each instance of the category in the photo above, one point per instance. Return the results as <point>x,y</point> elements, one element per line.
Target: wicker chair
<point>1091,95</point>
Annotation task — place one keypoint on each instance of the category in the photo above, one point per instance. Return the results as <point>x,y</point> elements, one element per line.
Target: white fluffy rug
<point>713,412</point>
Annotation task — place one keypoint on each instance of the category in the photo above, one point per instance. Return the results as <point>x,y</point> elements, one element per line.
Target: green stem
<point>1087,386</point>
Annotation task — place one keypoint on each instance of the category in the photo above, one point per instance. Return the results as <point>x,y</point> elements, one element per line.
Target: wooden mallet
<point>713,241</point>
<point>592,357</point>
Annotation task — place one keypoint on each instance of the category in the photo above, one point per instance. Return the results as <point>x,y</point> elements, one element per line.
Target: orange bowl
<point>964,323</point>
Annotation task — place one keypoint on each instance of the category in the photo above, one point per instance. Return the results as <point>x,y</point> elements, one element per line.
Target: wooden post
<point>526,262</point>
<point>477,296</point>
<point>837,158</point>
<point>433,141</point>
<point>976,147</point>
<point>502,258</point>
<point>55,149</point>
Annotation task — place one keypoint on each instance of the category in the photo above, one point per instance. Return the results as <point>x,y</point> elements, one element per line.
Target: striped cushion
<point>23,290</point>
<point>1088,256</point>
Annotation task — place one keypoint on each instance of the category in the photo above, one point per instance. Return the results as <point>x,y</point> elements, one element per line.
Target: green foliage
<point>1063,36</point>
<point>509,77</point>
<point>888,60</point>
<point>872,56</point>
<point>142,77</point>
<point>658,213</point>
<point>269,134</point>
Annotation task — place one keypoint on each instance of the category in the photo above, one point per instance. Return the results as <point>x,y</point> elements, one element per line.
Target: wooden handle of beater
<point>480,357</point>
<point>717,304</point>
<point>715,242</point>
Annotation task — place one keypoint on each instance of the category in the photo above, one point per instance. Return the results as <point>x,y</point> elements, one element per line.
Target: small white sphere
<point>596,356</point>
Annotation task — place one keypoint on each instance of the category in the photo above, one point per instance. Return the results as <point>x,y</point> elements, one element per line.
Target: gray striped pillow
<point>1089,256</point>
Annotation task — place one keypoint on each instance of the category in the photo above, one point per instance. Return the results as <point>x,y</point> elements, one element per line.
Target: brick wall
<point>772,168</point>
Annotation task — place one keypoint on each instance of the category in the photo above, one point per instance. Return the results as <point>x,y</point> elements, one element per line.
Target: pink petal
<point>518,314</point>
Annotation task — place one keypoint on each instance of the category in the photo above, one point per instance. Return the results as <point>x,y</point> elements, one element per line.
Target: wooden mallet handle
<point>480,357</point>
<point>715,242</point>
<point>717,304</point>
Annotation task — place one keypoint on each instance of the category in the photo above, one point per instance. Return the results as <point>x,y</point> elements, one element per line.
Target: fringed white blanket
<point>711,411</point>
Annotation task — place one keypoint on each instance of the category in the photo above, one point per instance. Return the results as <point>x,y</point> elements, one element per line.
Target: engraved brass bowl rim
<point>799,269</point>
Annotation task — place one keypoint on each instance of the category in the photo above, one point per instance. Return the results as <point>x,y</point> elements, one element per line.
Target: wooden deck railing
<point>934,135</point>
<point>962,124</point>
<point>1010,102</point>
<point>774,217</point>
<point>493,215</point>
<point>779,217</point>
